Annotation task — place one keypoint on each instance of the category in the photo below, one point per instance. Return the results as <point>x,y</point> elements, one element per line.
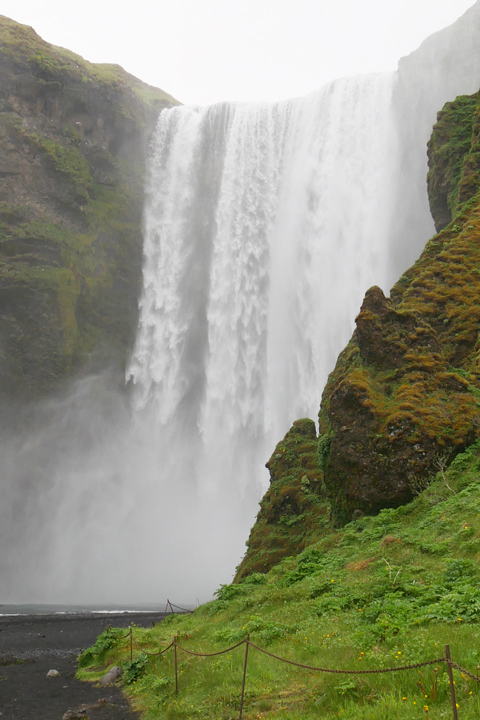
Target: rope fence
<point>446,658</point>
<point>172,606</point>
<point>347,672</point>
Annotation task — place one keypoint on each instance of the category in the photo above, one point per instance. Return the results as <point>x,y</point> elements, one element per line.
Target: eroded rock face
<point>403,398</point>
<point>388,409</point>
<point>73,141</point>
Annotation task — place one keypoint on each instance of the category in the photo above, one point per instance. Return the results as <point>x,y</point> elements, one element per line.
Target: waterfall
<point>264,226</point>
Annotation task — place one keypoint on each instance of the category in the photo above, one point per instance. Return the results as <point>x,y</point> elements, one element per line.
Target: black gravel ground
<point>32,645</point>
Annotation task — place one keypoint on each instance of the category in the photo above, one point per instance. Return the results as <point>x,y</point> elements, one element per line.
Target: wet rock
<point>53,674</point>
<point>79,714</point>
<point>111,676</point>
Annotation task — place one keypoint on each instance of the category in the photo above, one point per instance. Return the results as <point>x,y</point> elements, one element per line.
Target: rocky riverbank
<point>31,645</point>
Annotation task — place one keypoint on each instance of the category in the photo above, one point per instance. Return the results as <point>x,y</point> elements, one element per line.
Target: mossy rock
<point>404,397</point>
<point>454,159</point>
<point>73,144</point>
<point>294,510</point>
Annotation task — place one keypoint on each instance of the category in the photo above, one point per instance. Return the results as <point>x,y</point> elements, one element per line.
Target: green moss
<point>22,45</point>
<point>406,388</point>
<point>70,162</point>
<point>294,510</point>
<point>453,176</point>
<point>76,135</point>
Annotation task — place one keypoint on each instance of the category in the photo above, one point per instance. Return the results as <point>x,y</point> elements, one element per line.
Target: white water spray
<point>264,226</point>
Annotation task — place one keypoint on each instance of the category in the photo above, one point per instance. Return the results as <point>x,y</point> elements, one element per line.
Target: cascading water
<point>264,226</point>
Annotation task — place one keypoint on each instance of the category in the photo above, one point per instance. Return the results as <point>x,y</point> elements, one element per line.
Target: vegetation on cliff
<point>294,509</point>
<point>453,150</point>
<point>72,161</point>
<point>404,397</point>
<point>383,591</point>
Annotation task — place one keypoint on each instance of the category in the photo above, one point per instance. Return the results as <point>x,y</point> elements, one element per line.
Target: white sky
<point>205,51</point>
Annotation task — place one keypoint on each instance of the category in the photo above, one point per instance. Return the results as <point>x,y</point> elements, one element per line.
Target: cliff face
<point>73,141</point>
<point>454,159</point>
<point>403,399</point>
<point>446,65</point>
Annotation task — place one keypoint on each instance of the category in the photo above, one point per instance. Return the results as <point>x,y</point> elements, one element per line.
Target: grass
<point>56,64</point>
<point>383,591</point>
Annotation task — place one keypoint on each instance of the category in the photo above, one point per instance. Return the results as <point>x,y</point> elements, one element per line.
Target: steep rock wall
<point>454,159</point>
<point>403,399</point>
<point>446,65</point>
<point>73,141</point>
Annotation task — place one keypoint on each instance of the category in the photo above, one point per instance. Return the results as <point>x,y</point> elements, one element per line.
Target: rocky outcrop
<point>454,159</point>
<point>404,396</point>
<point>73,141</point>
<point>446,64</point>
<point>294,510</point>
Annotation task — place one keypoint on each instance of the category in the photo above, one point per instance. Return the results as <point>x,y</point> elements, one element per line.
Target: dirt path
<point>32,645</point>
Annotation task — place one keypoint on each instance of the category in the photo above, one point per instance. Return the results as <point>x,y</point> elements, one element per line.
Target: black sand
<point>32,645</point>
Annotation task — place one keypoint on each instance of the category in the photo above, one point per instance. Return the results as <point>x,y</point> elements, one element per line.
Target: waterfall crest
<point>264,226</point>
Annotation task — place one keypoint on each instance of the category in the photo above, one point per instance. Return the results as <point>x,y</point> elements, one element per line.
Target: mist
<point>93,510</point>
<point>264,226</point>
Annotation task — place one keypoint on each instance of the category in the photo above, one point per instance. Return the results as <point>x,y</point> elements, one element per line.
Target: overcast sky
<point>205,51</point>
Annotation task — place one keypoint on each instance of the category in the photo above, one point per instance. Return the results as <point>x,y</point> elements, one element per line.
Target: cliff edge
<point>73,141</point>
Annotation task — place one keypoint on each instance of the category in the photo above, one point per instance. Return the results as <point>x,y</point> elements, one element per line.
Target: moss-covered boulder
<point>294,509</point>
<point>404,397</point>
<point>73,142</point>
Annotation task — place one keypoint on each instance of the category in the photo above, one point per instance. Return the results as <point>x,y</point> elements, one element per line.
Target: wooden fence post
<point>176,664</point>
<point>452,684</point>
<point>247,643</point>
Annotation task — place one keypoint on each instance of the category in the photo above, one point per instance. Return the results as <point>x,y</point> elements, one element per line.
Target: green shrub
<point>228,592</point>
<point>104,642</point>
<point>134,669</point>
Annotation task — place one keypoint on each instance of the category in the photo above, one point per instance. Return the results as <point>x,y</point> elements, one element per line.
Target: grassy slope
<point>21,43</point>
<point>381,592</point>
